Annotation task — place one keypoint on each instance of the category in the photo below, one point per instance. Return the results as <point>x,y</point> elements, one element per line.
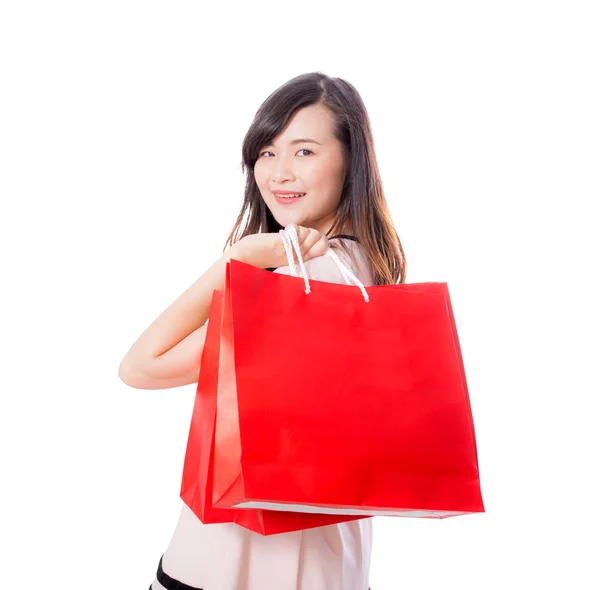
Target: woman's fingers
<point>312,242</point>
<point>318,248</point>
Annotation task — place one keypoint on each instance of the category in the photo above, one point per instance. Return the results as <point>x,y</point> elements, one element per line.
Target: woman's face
<point>315,168</point>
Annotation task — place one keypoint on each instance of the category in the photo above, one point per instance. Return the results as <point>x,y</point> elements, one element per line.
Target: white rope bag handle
<point>290,240</point>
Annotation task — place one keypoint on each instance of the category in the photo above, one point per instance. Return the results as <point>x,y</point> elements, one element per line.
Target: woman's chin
<point>285,220</point>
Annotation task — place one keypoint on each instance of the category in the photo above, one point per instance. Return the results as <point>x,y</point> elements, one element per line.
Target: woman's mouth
<point>288,199</point>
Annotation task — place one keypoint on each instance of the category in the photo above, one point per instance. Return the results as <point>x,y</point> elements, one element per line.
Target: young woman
<point>310,138</point>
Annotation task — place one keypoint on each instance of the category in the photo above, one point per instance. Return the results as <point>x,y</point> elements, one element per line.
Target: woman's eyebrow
<point>299,140</point>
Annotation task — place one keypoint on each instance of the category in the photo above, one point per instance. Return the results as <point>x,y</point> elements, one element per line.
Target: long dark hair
<point>362,206</point>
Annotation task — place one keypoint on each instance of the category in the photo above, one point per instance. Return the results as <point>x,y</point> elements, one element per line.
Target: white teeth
<point>289,196</point>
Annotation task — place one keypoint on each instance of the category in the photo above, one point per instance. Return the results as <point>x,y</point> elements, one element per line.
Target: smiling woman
<point>309,160</point>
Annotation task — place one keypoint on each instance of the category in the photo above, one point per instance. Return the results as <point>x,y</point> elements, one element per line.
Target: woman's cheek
<point>259,174</point>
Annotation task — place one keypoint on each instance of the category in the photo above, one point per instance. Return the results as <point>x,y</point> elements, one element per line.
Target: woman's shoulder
<point>357,259</point>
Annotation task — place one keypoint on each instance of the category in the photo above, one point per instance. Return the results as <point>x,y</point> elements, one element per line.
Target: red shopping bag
<point>363,406</point>
<point>197,477</point>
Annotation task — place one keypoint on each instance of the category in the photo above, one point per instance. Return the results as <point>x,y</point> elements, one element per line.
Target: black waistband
<point>171,583</point>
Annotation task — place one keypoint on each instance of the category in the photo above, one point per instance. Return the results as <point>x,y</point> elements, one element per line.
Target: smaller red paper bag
<point>198,475</point>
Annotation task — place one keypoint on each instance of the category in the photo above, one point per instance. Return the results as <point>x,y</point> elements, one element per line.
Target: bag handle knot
<point>290,240</point>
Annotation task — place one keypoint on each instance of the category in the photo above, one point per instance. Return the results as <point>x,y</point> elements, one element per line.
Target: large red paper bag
<point>364,406</point>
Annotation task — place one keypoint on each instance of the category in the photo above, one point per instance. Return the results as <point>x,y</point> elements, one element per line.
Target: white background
<point>121,126</point>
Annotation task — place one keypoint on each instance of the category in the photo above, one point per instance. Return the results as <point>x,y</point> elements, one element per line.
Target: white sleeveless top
<point>226,556</point>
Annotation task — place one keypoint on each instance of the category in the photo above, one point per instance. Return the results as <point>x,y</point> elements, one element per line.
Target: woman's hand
<point>267,250</point>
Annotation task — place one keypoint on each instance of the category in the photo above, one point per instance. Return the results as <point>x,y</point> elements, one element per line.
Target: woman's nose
<point>282,169</point>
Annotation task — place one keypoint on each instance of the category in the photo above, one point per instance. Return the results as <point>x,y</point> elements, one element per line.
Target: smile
<point>288,199</point>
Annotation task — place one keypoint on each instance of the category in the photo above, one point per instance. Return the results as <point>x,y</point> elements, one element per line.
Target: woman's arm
<point>168,352</point>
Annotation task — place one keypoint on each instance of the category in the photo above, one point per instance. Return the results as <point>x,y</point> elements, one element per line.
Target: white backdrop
<point>120,134</point>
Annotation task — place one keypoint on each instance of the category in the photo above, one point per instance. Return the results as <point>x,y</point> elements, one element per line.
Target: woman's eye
<point>268,152</point>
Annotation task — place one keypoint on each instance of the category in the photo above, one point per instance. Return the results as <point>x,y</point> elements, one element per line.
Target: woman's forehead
<point>311,122</point>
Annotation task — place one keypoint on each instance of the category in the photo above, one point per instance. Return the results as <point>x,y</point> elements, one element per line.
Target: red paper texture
<point>328,403</point>
<point>197,478</point>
